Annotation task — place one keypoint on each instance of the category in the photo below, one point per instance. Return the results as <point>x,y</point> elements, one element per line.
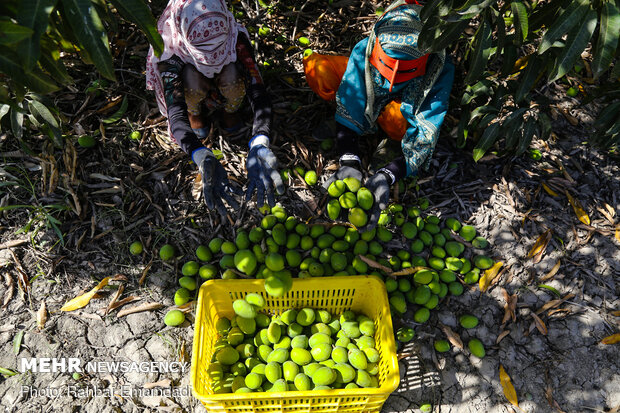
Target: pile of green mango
<point>298,350</point>
<point>350,199</point>
<point>431,256</point>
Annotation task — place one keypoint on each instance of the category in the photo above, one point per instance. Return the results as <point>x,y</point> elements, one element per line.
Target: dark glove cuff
<point>388,174</point>
<point>349,159</point>
<point>397,168</point>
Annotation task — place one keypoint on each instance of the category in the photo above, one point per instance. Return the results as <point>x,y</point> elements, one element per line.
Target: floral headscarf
<point>200,32</point>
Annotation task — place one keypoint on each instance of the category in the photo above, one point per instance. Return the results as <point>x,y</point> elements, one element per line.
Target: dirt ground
<point>123,190</point>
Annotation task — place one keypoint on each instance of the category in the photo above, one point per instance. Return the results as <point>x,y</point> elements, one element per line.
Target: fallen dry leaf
<point>145,272</point>
<point>161,383</point>
<point>549,394</point>
<point>118,304</point>
<point>540,325</point>
<point>553,303</point>
<point>182,353</point>
<point>42,316</point>
<point>606,214</point>
<point>84,299</point>
<point>140,308</point>
<point>564,312</point>
<point>8,294</point>
<point>453,337</point>
<point>489,275</point>
<point>549,190</point>
<point>22,277</point>
<point>509,389</point>
<point>540,245</point>
<point>501,336</point>
<point>553,271</point>
<point>579,211</point>
<point>618,232</point>
<point>115,298</point>
<point>186,308</point>
<point>612,339</point>
<point>510,306</point>
<point>616,313</point>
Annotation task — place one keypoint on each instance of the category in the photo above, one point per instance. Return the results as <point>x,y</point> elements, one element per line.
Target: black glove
<point>170,71</point>
<point>215,184</point>
<point>379,185</point>
<point>350,167</point>
<point>262,170</point>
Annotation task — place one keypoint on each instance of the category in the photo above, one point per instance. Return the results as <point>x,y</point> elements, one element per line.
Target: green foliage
<point>509,48</point>
<point>33,36</point>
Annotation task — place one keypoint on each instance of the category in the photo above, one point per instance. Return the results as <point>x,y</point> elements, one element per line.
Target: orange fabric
<point>392,121</point>
<point>324,74</point>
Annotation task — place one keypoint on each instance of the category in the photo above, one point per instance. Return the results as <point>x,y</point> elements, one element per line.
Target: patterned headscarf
<point>398,30</point>
<point>200,32</point>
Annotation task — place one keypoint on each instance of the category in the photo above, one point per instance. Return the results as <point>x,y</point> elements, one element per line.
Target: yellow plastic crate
<point>365,294</point>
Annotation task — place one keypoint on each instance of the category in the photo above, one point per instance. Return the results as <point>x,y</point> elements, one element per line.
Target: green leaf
<point>500,33</point>
<point>529,130</point>
<point>571,16</point>
<point>542,14</point>
<point>512,128</point>
<point>483,110</point>
<point>448,34</point>
<point>87,27</point>
<point>11,33</point>
<point>431,30</point>
<point>550,288</point>
<point>482,88</point>
<point>470,9</point>
<point>35,80</point>
<point>463,130</point>
<point>4,109</point>
<point>42,112</point>
<point>615,72</point>
<point>138,12</point>
<point>513,133</point>
<point>545,123</point>
<point>607,117</point>
<point>576,42</point>
<point>515,117</point>
<point>10,207</point>
<point>119,113</point>
<point>34,121</point>
<point>520,20</point>
<point>35,15</point>
<point>482,50</point>
<point>528,77</point>
<point>17,122</point>
<point>430,8</point>
<point>488,138</point>
<point>54,67</point>
<point>486,120</point>
<point>17,341</point>
<point>509,58</point>
<point>607,41</point>
<point>7,372</point>
<point>53,133</point>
